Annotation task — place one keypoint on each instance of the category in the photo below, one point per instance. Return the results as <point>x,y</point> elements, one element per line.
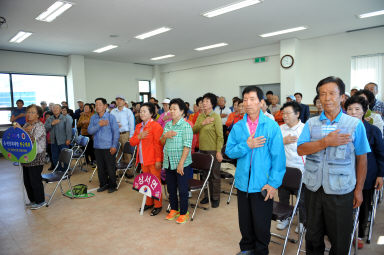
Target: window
<point>32,89</point>
<point>365,69</point>
<point>144,91</point>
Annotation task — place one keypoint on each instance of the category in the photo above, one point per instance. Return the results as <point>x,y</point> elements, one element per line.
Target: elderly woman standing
<point>32,170</point>
<point>211,140</point>
<point>150,151</point>
<point>83,123</point>
<point>177,138</point>
<point>357,106</point>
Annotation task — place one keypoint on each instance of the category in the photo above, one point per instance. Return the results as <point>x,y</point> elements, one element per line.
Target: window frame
<point>12,94</point>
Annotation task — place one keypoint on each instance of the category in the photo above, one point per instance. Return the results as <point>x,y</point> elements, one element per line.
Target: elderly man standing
<point>60,129</point>
<point>126,121</point>
<point>336,146</point>
<point>105,130</point>
<point>378,105</point>
<point>257,144</point>
<point>224,112</point>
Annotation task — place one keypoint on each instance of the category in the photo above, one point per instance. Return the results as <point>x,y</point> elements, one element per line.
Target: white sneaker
<point>301,228</point>
<point>38,206</point>
<point>282,224</point>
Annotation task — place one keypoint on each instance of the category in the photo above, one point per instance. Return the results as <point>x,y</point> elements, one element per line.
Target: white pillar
<point>76,80</point>
<point>289,77</point>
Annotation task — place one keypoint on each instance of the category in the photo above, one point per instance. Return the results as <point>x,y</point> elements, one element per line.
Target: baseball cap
<point>120,96</point>
<point>166,101</point>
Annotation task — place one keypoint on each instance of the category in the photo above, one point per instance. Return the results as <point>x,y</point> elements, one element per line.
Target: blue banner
<point>17,146</point>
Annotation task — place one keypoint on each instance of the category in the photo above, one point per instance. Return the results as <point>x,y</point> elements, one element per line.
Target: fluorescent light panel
<point>370,14</point>
<point>109,47</point>
<point>153,33</point>
<point>54,11</point>
<point>290,30</point>
<point>230,8</point>
<point>163,57</point>
<point>20,36</point>
<point>212,46</point>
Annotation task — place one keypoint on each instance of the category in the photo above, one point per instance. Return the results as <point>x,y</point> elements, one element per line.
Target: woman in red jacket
<point>150,151</point>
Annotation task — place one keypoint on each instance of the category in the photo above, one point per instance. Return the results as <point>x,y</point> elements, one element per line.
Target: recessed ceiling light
<point>109,47</point>
<point>370,14</point>
<point>152,33</point>
<point>212,46</point>
<point>54,11</point>
<point>162,57</point>
<point>285,31</point>
<point>230,7</point>
<point>20,36</point>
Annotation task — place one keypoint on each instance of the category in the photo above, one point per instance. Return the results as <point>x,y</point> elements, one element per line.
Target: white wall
<point>20,62</point>
<point>108,79</point>
<point>331,55</point>
<point>222,75</point>
<point>316,59</point>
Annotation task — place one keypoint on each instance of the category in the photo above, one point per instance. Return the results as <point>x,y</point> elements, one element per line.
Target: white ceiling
<point>89,23</point>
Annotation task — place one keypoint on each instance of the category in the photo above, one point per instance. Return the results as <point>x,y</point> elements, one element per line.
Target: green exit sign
<point>260,60</point>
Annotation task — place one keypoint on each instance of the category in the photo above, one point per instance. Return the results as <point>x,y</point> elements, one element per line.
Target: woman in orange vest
<point>149,149</point>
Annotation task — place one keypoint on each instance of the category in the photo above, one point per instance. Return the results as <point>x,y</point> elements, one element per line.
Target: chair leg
<point>355,224</point>
<point>93,173</point>
<point>53,193</point>
<point>373,214</point>
<point>197,202</point>
<point>70,187</point>
<point>301,240</point>
<point>230,193</point>
<point>209,197</point>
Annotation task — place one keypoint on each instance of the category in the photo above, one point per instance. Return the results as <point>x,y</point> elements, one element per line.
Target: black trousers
<point>33,184</point>
<point>255,217</point>
<point>89,152</point>
<point>330,215</point>
<point>365,207</point>
<point>214,181</point>
<point>106,167</point>
<point>284,196</point>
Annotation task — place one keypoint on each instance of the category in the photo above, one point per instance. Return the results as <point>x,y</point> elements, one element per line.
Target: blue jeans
<point>56,149</point>
<point>176,181</point>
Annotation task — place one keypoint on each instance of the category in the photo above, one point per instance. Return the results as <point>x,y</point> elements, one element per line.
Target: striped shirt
<point>173,148</point>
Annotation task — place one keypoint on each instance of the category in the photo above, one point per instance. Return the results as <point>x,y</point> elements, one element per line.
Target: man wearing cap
<point>126,121</point>
<point>166,115</point>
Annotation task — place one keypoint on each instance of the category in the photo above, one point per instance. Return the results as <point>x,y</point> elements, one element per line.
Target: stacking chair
<point>74,136</point>
<point>375,201</point>
<point>292,180</point>
<point>201,162</point>
<point>227,176</point>
<point>117,152</point>
<point>65,158</point>
<point>123,167</point>
<point>81,144</point>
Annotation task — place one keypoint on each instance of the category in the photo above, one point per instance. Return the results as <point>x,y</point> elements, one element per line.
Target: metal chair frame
<point>80,147</point>
<point>64,176</point>
<point>131,151</point>
<point>195,165</point>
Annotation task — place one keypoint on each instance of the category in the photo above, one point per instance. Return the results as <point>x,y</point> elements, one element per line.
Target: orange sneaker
<point>183,218</point>
<point>173,214</point>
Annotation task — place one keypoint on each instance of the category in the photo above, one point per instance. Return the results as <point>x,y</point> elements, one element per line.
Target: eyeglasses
<point>31,112</point>
<point>287,113</point>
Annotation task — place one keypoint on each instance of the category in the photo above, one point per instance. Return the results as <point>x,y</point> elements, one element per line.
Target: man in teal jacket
<point>257,144</point>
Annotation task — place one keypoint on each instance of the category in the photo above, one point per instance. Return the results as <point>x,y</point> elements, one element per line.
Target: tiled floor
<point>111,224</point>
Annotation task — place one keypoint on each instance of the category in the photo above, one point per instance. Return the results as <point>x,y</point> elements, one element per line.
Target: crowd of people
<point>338,147</point>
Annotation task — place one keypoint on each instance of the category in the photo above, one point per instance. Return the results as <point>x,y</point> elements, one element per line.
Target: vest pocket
<point>311,173</point>
<point>340,176</point>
